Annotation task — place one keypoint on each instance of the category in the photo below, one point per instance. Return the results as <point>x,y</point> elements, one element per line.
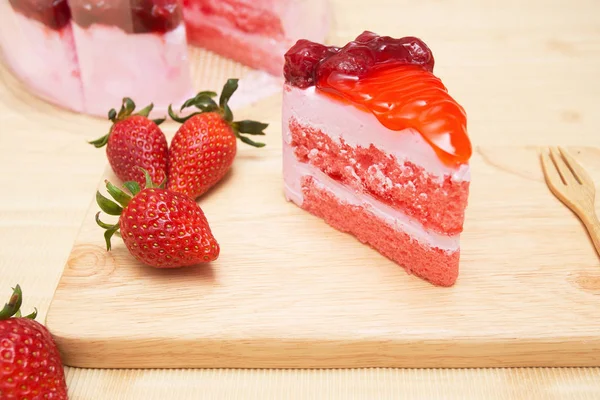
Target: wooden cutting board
<point>289,291</point>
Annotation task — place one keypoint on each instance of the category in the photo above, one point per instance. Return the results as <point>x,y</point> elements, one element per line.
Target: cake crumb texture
<point>437,205</point>
<point>437,266</point>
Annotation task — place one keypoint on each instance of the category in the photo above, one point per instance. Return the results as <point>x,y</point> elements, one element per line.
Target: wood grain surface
<point>525,71</point>
<point>290,291</point>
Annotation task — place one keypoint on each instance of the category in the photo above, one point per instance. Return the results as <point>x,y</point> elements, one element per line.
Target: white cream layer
<point>43,58</point>
<point>294,171</point>
<point>360,128</point>
<point>148,67</point>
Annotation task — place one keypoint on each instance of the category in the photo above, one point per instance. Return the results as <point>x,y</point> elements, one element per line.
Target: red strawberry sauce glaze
<point>132,16</point>
<point>391,78</point>
<point>55,14</point>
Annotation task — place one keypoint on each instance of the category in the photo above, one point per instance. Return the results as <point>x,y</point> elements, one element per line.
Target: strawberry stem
<point>132,186</point>
<point>102,224</point>
<point>126,110</point>
<point>228,89</point>
<point>112,208</point>
<point>227,114</point>
<point>202,99</point>
<point>112,115</point>
<point>13,307</point>
<point>251,127</point>
<point>108,235</point>
<point>32,315</point>
<point>149,183</point>
<point>110,230</point>
<point>108,206</point>
<point>249,141</point>
<point>204,102</point>
<point>146,110</point>
<point>100,142</point>
<point>121,197</point>
<point>179,119</point>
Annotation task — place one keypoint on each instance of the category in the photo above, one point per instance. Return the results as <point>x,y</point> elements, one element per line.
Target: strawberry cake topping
<point>132,16</point>
<point>53,13</point>
<point>391,78</point>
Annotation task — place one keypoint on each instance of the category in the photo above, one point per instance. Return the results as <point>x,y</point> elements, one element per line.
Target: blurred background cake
<point>86,55</point>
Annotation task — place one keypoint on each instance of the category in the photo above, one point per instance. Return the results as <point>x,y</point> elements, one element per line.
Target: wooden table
<point>527,73</point>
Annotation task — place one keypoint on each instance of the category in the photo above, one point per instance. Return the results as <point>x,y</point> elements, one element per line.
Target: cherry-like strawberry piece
<point>406,50</point>
<point>301,61</point>
<point>354,60</point>
<point>308,63</point>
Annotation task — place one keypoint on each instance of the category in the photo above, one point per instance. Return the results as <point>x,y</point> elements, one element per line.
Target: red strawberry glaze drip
<point>391,78</point>
<point>405,96</point>
<point>55,14</point>
<point>132,16</point>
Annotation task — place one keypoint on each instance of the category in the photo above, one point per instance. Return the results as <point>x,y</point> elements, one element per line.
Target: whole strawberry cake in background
<point>256,33</point>
<point>36,40</point>
<point>86,55</point>
<point>374,144</point>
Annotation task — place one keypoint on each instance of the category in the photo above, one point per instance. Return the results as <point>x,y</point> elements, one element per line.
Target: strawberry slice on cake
<point>374,144</point>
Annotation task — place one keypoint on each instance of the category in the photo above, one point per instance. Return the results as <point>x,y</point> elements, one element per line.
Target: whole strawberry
<point>134,141</point>
<point>30,364</point>
<point>205,145</point>
<point>159,227</point>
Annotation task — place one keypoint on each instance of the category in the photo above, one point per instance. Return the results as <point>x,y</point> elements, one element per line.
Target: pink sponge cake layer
<point>256,33</point>
<point>393,189</point>
<point>438,266</point>
<point>425,253</point>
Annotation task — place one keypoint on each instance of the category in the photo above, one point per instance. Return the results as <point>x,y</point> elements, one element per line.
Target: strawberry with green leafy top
<point>134,140</point>
<point>205,145</point>
<point>159,227</point>
<point>30,363</point>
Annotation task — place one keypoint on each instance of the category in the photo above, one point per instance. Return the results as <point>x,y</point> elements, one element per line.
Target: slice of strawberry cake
<point>374,144</point>
<point>256,33</point>
<point>134,48</point>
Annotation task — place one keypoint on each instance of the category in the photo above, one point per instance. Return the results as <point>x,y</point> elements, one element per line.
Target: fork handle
<point>591,222</point>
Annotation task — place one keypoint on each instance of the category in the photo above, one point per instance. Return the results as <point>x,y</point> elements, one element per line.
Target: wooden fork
<point>572,185</point>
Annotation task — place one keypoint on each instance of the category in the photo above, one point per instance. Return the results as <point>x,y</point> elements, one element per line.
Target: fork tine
<point>563,168</point>
<point>579,172</point>
<point>550,171</point>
